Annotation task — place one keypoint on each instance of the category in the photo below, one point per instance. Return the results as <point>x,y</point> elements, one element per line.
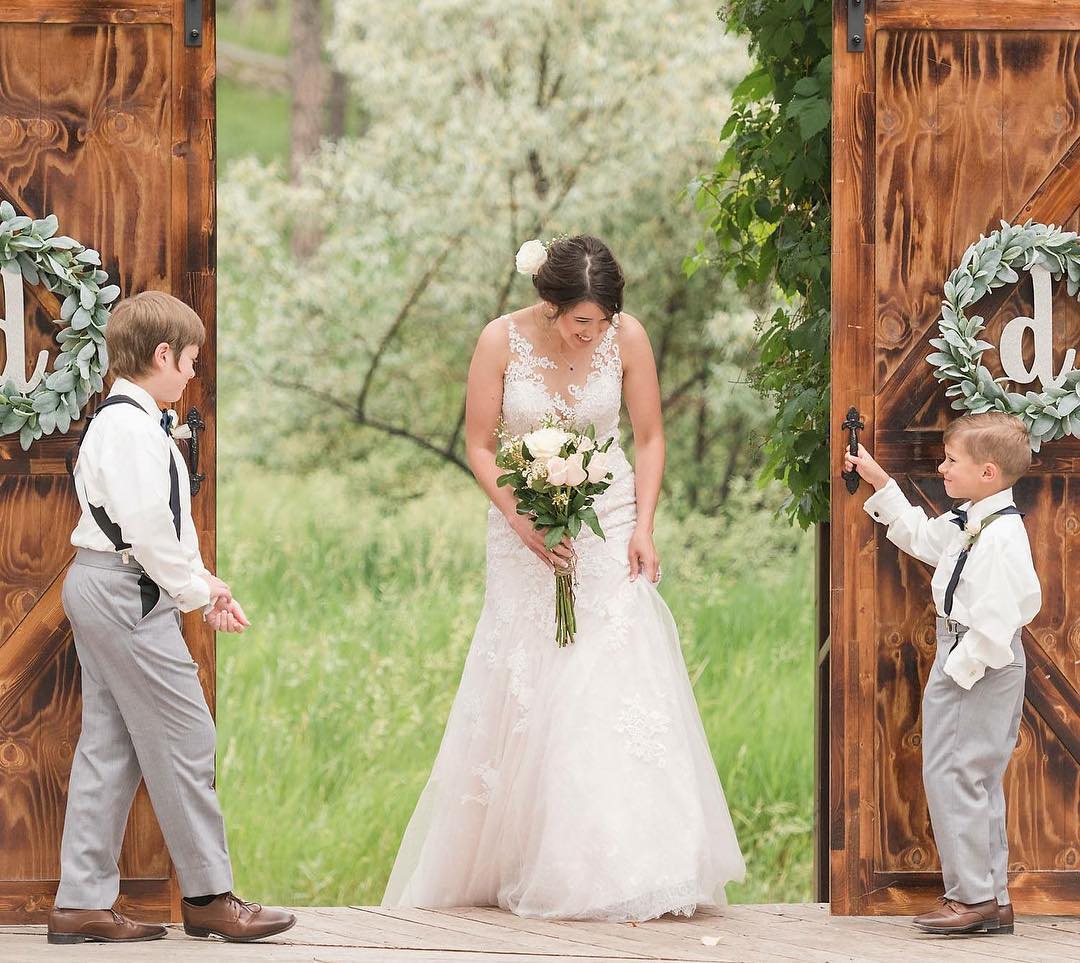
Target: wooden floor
<point>740,934</point>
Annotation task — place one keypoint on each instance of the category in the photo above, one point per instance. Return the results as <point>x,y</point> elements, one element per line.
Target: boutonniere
<point>971,533</point>
<point>176,429</point>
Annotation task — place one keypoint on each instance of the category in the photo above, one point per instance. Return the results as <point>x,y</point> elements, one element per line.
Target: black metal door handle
<point>196,424</point>
<point>853,424</point>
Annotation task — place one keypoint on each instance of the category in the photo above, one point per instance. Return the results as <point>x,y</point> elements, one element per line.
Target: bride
<point>571,783</point>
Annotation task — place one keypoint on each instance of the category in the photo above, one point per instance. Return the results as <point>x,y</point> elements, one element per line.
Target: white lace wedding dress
<point>571,783</point>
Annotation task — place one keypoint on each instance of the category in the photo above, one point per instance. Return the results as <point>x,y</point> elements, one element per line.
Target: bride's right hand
<point>534,541</point>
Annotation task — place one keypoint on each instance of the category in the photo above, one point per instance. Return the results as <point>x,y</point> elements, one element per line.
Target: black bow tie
<point>959,517</point>
<point>165,422</point>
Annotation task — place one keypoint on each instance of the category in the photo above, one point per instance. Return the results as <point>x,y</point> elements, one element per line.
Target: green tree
<point>767,207</point>
<point>485,128</point>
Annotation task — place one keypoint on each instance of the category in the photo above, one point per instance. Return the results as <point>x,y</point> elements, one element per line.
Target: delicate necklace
<point>559,351</point>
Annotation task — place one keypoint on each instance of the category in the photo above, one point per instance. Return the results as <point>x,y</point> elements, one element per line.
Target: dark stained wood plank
<point>989,15</point>
<point>851,584</point>
<point>28,562</point>
<point>132,124</point>
<point>976,118</point>
<point>88,12</point>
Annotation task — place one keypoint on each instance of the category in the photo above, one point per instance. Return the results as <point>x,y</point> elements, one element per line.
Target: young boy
<point>985,590</point>
<point>144,715</point>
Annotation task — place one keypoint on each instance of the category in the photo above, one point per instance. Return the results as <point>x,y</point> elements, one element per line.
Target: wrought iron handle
<point>853,424</point>
<point>196,424</point>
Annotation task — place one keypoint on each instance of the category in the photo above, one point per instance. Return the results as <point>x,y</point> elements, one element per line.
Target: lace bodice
<point>527,397</point>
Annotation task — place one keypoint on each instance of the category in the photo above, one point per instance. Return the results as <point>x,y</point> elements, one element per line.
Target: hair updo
<point>580,268</point>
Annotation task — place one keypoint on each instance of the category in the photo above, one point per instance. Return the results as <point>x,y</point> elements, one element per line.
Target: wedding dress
<point>571,783</point>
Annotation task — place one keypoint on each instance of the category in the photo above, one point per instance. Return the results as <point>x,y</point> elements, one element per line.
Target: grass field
<point>332,706</point>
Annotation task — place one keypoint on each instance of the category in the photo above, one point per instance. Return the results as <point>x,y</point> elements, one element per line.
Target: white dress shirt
<point>123,467</point>
<point>998,591</point>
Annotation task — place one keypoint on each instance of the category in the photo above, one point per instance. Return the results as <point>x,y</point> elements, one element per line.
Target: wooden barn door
<point>948,116</point>
<point>106,120</point>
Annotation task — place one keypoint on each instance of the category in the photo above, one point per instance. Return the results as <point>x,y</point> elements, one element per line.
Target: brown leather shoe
<point>1005,919</point>
<point>234,920</point>
<point>956,917</point>
<point>98,926</point>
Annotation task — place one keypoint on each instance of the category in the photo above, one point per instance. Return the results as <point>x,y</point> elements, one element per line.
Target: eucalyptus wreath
<point>72,272</point>
<point>988,264</point>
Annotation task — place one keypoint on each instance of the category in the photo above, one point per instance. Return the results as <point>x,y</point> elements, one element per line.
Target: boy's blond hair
<point>137,325</point>
<point>995,437</point>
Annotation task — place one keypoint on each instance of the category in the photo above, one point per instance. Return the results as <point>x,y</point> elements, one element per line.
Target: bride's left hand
<point>643,557</point>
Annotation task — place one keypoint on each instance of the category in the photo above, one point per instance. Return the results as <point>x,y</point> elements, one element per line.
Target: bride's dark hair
<point>580,268</point>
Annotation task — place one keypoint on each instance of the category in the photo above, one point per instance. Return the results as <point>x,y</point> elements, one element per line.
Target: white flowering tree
<point>488,123</point>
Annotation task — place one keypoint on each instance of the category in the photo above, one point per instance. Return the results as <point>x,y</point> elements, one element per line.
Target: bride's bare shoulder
<point>493,345</point>
<point>632,335</point>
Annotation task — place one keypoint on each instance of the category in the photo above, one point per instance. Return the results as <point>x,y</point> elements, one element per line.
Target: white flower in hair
<point>530,257</point>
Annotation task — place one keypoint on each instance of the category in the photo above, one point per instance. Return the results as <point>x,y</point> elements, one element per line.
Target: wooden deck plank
<point>28,949</point>
<point>620,938</point>
<point>497,931</point>
<point>1044,946</point>
<point>657,936</point>
<point>775,933</point>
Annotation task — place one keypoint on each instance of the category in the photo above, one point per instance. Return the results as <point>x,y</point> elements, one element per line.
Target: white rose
<point>181,433</point>
<point>546,443</point>
<point>585,443</point>
<point>556,471</point>
<point>973,528</point>
<point>599,467</point>
<point>530,257</point>
<point>575,474</point>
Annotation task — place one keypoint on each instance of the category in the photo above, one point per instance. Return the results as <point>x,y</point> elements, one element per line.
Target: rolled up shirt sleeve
<point>138,501</point>
<point>1002,594</point>
<point>909,528</point>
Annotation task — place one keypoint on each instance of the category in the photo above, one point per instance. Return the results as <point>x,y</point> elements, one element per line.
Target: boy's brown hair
<point>137,325</point>
<point>996,437</point>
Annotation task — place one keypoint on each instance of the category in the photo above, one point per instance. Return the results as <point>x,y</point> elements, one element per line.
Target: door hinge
<point>193,22</point>
<point>856,25</point>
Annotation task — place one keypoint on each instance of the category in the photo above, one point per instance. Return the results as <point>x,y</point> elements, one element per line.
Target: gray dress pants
<point>144,717</point>
<point>968,737</point>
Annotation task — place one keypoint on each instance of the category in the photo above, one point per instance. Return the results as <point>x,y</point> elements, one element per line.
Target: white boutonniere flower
<point>177,430</point>
<point>530,257</point>
<point>971,533</point>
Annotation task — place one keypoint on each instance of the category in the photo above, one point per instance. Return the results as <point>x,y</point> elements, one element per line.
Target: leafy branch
<point>766,205</point>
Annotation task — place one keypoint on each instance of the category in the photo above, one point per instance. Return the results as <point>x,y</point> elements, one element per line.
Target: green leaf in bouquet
<point>588,516</point>
<point>511,478</point>
<point>574,525</point>
<point>553,537</point>
<point>590,430</point>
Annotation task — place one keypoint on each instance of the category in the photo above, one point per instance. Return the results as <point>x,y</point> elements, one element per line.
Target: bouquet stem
<point>565,620</point>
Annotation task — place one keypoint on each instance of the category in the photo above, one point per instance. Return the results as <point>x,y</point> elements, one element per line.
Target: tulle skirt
<point>572,783</point>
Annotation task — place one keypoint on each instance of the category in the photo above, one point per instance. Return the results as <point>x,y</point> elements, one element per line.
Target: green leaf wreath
<point>71,272</point>
<point>988,264</point>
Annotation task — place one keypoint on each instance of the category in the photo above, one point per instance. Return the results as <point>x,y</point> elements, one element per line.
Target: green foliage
<point>331,707</point>
<point>72,272</point>
<point>767,209</point>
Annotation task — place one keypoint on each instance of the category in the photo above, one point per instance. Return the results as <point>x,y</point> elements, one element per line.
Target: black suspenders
<point>960,519</point>
<point>106,524</point>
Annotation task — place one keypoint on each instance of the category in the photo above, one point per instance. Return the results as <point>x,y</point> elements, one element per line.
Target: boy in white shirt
<point>985,590</point>
<point>137,568</point>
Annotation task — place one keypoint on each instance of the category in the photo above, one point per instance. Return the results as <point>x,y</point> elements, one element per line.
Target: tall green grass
<point>331,707</point>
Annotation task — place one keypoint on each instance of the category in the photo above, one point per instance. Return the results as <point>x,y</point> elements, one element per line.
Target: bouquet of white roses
<point>556,472</point>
